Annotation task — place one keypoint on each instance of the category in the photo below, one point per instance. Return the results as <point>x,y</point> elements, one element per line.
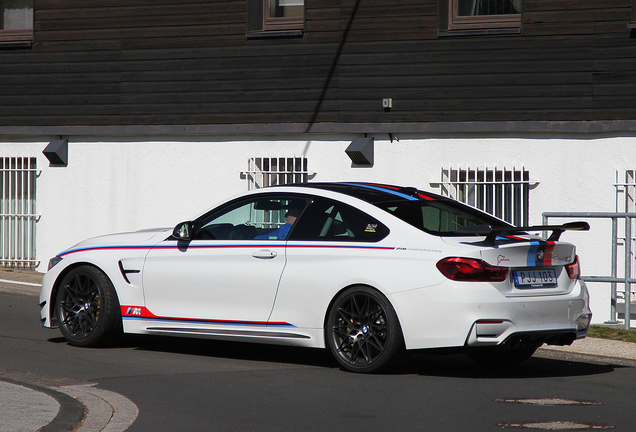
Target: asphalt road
<point>200,385</point>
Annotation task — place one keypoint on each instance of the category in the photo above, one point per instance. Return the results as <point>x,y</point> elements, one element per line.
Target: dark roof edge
<point>356,189</point>
<point>546,128</point>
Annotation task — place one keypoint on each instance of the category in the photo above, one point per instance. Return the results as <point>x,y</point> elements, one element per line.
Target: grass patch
<point>612,333</point>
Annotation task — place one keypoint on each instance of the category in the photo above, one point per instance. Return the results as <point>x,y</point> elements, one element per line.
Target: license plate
<point>540,278</point>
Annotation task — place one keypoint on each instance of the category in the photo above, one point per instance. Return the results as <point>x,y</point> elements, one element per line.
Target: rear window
<point>439,217</point>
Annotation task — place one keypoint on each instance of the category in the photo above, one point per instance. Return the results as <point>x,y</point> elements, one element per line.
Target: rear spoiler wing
<point>492,233</point>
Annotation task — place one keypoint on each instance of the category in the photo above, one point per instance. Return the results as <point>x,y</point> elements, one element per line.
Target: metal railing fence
<point>613,279</point>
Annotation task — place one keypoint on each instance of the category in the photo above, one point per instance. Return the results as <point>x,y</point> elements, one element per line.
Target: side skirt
<point>220,332</point>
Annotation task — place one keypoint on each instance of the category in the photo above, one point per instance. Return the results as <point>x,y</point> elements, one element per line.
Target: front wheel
<point>87,308</point>
<point>363,332</point>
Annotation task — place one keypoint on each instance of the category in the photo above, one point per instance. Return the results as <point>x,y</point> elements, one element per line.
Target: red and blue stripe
<point>282,244</point>
<point>537,246</point>
<point>142,313</point>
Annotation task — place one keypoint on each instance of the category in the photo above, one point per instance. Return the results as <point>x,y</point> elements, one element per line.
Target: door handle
<point>264,254</point>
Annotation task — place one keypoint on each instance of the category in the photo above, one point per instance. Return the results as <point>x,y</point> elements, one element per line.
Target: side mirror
<point>183,231</point>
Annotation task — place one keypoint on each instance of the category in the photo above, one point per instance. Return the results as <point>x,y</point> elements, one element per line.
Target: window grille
<point>17,212</point>
<point>272,171</point>
<point>503,192</point>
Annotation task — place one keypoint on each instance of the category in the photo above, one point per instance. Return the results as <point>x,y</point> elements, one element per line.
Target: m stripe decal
<point>282,244</point>
<point>536,247</point>
<point>142,313</point>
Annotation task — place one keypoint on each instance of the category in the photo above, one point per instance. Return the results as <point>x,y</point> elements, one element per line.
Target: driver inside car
<point>281,233</point>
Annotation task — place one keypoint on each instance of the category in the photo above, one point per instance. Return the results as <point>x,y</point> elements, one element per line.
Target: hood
<point>133,239</point>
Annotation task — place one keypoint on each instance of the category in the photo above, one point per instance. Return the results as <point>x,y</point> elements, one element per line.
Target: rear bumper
<point>481,316</point>
<point>525,339</point>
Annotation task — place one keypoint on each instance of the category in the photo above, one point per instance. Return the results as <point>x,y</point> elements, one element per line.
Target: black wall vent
<point>360,151</point>
<point>57,152</point>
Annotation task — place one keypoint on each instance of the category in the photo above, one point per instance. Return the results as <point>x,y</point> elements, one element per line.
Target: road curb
<point>105,410</point>
<point>71,411</point>
<point>576,356</point>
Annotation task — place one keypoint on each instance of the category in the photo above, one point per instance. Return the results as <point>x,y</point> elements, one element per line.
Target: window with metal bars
<point>501,192</point>
<point>272,171</point>
<point>18,217</point>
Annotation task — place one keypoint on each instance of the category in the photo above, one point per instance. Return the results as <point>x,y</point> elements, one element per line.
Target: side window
<point>442,219</point>
<point>286,14</point>
<point>16,22</point>
<point>264,217</point>
<point>325,219</point>
<point>284,17</point>
<point>480,14</point>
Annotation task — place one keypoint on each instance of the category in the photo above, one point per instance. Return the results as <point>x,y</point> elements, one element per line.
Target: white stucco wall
<point>134,182</point>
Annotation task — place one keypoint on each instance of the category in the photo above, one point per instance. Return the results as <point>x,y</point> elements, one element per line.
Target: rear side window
<point>330,220</point>
<point>441,218</point>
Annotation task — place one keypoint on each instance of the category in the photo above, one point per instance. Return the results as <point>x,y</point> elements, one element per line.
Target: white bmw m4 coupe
<point>367,271</point>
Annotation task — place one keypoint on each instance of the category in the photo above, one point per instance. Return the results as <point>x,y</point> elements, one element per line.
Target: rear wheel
<point>363,331</point>
<point>87,307</point>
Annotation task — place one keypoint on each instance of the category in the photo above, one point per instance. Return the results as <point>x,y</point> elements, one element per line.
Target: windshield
<point>438,217</point>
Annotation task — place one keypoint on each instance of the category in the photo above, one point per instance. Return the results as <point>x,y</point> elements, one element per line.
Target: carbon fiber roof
<point>375,193</point>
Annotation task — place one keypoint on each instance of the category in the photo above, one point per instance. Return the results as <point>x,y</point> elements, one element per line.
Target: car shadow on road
<point>231,350</point>
<point>419,362</point>
<point>425,363</point>
<point>458,365</point>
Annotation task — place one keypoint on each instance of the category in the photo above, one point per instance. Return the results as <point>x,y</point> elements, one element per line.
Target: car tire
<point>362,331</point>
<point>498,357</point>
<point>87,308</point>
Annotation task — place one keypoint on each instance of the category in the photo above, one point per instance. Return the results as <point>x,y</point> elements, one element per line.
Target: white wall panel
<point>132,183</point>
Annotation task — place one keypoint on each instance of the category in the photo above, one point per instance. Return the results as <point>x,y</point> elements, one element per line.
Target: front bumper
<point>46,296</point>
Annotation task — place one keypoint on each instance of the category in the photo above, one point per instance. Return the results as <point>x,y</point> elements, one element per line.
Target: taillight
<point>574,269</point>
<point>470,269</point>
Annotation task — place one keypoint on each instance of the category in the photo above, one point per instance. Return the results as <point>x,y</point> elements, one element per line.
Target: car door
<point>229,271</point>
<point>333,245</point>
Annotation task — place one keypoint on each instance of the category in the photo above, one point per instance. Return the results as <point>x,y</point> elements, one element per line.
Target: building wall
<point>184,62</point>
<point>129,183</point>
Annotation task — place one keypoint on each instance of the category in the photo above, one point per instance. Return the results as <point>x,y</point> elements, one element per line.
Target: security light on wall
<point>360,151</point>
<point>57,152</point>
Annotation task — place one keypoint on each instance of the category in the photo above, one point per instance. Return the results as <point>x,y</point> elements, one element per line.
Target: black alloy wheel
<point>87,307</point>
<point>363,331</point>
